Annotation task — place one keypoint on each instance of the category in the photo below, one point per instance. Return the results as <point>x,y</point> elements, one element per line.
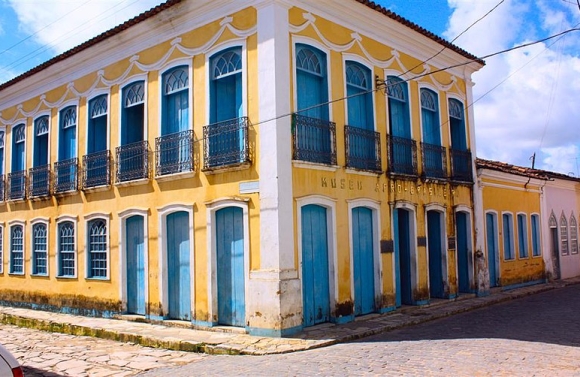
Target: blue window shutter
<point>400,124</point>
<point>133,113</point>
<point>175,102</point>
<point>430,117</point>
<point>18,142</point>
<point>311,82</point>
<point>457,125</point>
<point>358,86</point>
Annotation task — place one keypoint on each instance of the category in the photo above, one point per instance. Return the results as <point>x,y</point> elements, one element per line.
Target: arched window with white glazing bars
<point>97,249</point>
<point>66,249</point>
<point>39,249</point>
<point>573,235</point>
<point>564,235</point>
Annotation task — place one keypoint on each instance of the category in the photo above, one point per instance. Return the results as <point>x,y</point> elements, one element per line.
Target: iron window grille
<point>314,140</point>
<point>461,166</point>
<point>39,181</point>
<point>363,149</point>
<point>97,169</point>
<point>226,143</point>
<point>402,155</point>
<point>434,161</point>
<point>66,175</point>
<point>17,189</point>
<point>174,153</point>
<point>132,162</point>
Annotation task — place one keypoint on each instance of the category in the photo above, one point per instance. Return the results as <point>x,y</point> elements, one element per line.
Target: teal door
<point>363,260</point>
<point>436,276</point>
<point>230,266</point>
<point>402,227</point>
<point>178,268</point>
<point>463,255</point>
<point>135,249</point>
<point>315,276</point>
<point>491,249</point>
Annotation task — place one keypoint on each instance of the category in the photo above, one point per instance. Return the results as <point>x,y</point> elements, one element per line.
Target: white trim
<point>392,72</point>
<point>237,42</point>
<point>424,85</point>
<point>95,94</point>
<point>59,220</point>
<point>23,122</point>
<point>375,208</point>
<point>526,240</point>
<point>123,216</point>
<point>46,222</point>
<point>346,57</point>
<point>88,218</point>
<point>330,206</point>
<point>39,115</point>
<point>442,212</point>
<point>410,207</point>
<point>539,234</point>
<point>512,239</point>
<point>136,78</point>
<point>2,247</point>
<point>297,39</point>
<point>63,106</point>
<point>185,62</point>
<point>498,251</point>
<point>11,224</point>
<point>470,250</point>
<point>162,214</point>
<point>212,295</point>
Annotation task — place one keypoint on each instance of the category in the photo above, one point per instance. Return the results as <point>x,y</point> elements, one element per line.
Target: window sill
<point>65,277</point>
<point>135,182</point>
<point>404,176</point>
<point>36,276</point>
<point>227,168</point>
<point>175,176</point>
<point>97,188</point>
<point>370,173</point>
<point>98,279</point>
<point>38,198</point>
<point>19,200</point>
<point>66,193</point>
<point>16,274</point>
<point>314,166</point>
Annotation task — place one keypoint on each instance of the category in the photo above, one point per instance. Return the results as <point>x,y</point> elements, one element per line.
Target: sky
<point>526,101</point>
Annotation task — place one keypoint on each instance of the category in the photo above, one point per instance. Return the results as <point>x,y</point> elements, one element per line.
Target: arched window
<point>67,133</point>
<point>573,235</point>
<point>175,101</point>
<point>226,85</point>
<point>16,249</point>
<point>66,249</point>
<point>311,82</point>
<point>430,117</point>
<point>360,100</point>
<point>564,235</point>
<point>39,250</point>
<point>40,157</point>
<point>97,249</point>
<point>457,125</point>
<point>399,123</point>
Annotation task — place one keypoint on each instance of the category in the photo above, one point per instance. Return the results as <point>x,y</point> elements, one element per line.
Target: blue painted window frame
<point>226,70</point>
<point>523,235</point>
<point>536,242</point>
<point>97,249</point>
<point>430,117</point>
<point>17,249</point>
<point>66,249</point>
<point>175,100</point>
<point>41,141</point>
<point>508,236</point>
<point>360,99</point>
<point>457,125</point>
<point>2,138</point>
<point>40,249</point>
<point>398,110</point>
<point>97,124</point>
<point>133,113</point>
<point>67,135</point>
<point>1,249</point>
<point>18,148</point>
<point>311,82</point>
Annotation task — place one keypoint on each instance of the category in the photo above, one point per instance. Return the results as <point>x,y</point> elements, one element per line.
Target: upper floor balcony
<point>434,161</point>
<point>363,149</point>
<point>39,181</point>
<point>17,185</point>
<point>97,169</point>
<point>314,140</point>
<point>132,162</point>
<point>66,176</point>
<point>461,166</point>
<point>226,144</point>
<point>402,155</point>
<point>174,153</point>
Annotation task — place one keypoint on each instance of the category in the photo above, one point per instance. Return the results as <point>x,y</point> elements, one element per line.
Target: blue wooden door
<point>363,261</point>
<point>178,267</point>
<point>135,249</point>
<point>230,266</point>
<point>436,282</point>
<point>491,249</point>
<point>462,249</point>
<point>315,276</point>
<point>403,256</point>
<point>397,258</point>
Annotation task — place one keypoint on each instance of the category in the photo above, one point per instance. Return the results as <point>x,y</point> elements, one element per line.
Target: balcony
<point>314,140</point>
<point>434,161</point>
<point>402,155</point>
<point>174,153</point>
<point>363,149</point>
<point>461,166</point>
<point>39,181</point>
<point>226,145</point>
<point>132,162</point>
<point>97,169</point>
<point>66,176</point>
<point>17,185</point>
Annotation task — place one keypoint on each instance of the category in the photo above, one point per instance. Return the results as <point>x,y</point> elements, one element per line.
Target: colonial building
<point>262,164</point>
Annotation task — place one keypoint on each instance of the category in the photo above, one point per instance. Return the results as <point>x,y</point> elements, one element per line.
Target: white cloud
<point>63,24</point>
<point>535,109</point>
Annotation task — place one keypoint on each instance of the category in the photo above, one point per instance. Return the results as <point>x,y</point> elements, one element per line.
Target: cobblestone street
<point>538,335</point>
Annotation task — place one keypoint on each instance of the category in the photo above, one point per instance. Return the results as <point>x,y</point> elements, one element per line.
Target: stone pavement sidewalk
<point>222,342</point>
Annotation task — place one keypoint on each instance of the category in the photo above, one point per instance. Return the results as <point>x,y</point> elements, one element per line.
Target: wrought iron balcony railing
<point>461,170</point>
<point>434,161</point>
<point>226,144</point>
<point>402,155</point>
<point>66,176</point>
<point>97,169</point>
<point>39,181</point>
<point>174,153</point>
<point>17,182</point>
<point>132,162</point>
<point>363,149</point>
<point>2,188</point>
<point>314,140</point>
